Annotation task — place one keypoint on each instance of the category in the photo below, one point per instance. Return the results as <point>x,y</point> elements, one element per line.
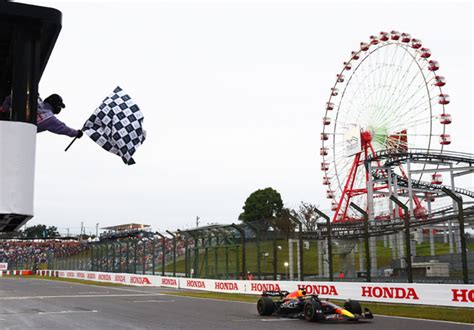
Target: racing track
<point>40,304</point>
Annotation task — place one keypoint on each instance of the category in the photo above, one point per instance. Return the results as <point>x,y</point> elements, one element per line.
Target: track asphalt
<point>41,304</point>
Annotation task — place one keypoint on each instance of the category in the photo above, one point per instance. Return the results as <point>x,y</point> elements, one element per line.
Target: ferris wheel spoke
<point>381,96</point>
<point>407,124</point>
<point>401,82</point>
<point>420,88</point>
<point>393,76</point>
<point>404,92</point>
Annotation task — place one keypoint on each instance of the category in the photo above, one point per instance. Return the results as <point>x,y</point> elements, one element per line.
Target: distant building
<point>125,230</point>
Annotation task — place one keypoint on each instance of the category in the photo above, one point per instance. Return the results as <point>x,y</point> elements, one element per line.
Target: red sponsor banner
<point>199,284</point>
<point>319,289</point>
<point>120,278</point>
<point>105,277</point>
<point>142,280</point>
<point>226,286</point>
<point>169,282</point>
<point>391,292</point>
<point>259,287</point>
<point>462,295</point>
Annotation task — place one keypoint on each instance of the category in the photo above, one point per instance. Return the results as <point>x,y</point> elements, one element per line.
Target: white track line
<point>153,301</point>
<point>82,296</point>
<point>93,285</point>
<point>417,319</point>
<point>67,312</point>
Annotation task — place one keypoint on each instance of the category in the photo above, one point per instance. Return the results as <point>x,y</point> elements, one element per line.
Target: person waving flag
<point>116,125</point>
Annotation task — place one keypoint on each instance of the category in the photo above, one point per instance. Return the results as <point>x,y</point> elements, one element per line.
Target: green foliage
<point>262,207</point>
<point>284,223</point>
<point>41,231</point>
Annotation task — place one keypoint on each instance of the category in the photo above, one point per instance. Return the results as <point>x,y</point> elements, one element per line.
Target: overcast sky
<point>233,94</point>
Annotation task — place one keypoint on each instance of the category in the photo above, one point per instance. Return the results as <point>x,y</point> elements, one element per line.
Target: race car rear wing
<point>280,294</point>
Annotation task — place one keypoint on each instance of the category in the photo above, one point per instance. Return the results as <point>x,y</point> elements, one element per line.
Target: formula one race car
<point>298,304</point>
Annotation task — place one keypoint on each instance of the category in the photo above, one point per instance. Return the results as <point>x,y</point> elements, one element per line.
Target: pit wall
<point>456,295</point>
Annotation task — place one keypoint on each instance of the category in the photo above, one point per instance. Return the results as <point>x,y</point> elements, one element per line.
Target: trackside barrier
<point>456,295</point>
<point>16,272</point>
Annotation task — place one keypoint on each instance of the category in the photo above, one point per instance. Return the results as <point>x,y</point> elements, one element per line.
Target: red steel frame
<point>349,191</point>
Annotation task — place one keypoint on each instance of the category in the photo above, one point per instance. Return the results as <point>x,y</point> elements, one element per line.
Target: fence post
<point>106,257</point>
<point>186,261</point>
<point>275,256</point>
<point>242,238</point>
<point>407,236</point>
<point>300,242</point>
<point>257,233</point>
<point>329,237</point>
<point>174,252</point>
<point>163,249</point>
<point>135,255</point>
<point>368,267</point>
<point>127,259</point>
<point>144,257</point>
<point>458,200</point>
<point>120,257</point>
<point>153,256</point>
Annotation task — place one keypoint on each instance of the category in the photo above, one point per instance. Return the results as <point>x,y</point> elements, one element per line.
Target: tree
<point>262,207</point>
<point>284,223</point>
<point>41,231</point>
<point>307,216</point>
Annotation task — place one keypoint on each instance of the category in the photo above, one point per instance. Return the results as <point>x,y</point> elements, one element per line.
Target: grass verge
<point>453,314</point>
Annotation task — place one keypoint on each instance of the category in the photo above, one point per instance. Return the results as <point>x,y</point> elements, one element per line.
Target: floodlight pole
<point>407,236</point>
<point>329,237</point>
<point>458,200</point>
<point>174,252</point>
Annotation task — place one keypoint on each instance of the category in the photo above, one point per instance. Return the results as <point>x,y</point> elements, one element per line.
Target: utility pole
<point>97,230</point>
<point>197,222</point>
<point>68,232</point>
<point>82,228</point>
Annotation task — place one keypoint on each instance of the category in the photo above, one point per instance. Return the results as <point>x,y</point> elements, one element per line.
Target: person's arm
<point>56,126</point>
<point>7,104</point>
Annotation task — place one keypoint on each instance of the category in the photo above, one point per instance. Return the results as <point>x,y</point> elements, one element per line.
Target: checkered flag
<point>116,125</point>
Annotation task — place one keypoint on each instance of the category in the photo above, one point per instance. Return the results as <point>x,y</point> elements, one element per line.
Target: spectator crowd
<point>31,253</point>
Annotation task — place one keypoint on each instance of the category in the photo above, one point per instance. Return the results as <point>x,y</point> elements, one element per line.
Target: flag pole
<point>70,144</point>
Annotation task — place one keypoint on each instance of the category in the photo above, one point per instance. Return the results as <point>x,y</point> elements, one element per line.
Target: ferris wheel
<point>388,96</point>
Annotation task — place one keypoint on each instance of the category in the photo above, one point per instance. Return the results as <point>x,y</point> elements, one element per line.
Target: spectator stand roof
<point>126,227</point>
<point>129,230</point>
<point>212,235</point>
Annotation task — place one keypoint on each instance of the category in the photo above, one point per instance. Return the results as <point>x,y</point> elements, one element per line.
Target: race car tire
<point>353,307</point>
<point>312,311</point>
<point>265,306</point>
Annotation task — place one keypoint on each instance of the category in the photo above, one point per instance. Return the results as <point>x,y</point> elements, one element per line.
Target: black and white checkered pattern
<point>116,125</point>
